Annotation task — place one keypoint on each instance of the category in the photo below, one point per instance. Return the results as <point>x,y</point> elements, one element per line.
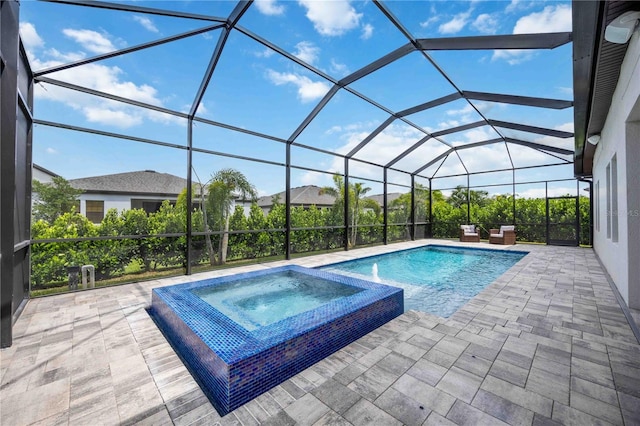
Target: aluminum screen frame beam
<point>431,104</point>
<point>109,96</point>
<point>377,64</point>
<point>127,50</point>
<point>497,42</point>
<point>371,136</point>
<point>518,100</point>
<point>531,129</point>
<point>234,17</point>
<point>138,9</point>
<point>539,146</point>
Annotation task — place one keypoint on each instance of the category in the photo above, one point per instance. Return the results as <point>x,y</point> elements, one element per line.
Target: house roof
<point>302,195</point>
<point>140,182</point>
<point>46,171</point>
<point>596,70</point>
<point>379,198</point>
<point>310,195</point>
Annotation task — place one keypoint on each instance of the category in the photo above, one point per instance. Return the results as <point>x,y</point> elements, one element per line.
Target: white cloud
<point>387,145</point>
<point>515,5</point>
<point>331,18</point>
<point>67,56</point>
<point>541,193</point>
<point>333,129</point>
<point>51,151</point>
<point>433,18</point>
<point>486,23</point>
<point>550,19</point>
<point>30,36</point>
<point>105,115</point>
<point>513,56</point>
<point>90,40</point>
<point>339,69</point>
<point>146,23</point>
<point>467,113</point>
<point>456,24</point>
<point>367,31</point>
<point>566,90</point>
<point>428,22</point>
<point>108,79</point>
<point>307,52</point>
<point>265,53</point>
<point>269,7</point>
<point>477,134</point>
<point>201,111</point>
<point>566,143</point>
<point>308,90</point>
<point>104,79</point>
<point>482,158</point>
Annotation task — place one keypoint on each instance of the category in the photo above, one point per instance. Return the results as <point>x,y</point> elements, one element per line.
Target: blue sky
<point>256,88</point>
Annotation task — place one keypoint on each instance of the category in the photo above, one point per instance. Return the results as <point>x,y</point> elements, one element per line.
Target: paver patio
<point>546,343</point>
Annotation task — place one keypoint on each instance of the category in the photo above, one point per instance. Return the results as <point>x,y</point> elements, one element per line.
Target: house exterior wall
<point>41,176</point>
<point>621,138</point>
<point>120,202</point>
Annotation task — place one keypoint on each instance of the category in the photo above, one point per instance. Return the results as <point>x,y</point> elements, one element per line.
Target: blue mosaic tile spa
<point>235,360</point>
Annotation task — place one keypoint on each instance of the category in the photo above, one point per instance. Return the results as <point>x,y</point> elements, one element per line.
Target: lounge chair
<point>469,234</point>
<point>505,235</point>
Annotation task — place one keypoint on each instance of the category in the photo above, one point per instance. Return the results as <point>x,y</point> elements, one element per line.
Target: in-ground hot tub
<point>241,335</point>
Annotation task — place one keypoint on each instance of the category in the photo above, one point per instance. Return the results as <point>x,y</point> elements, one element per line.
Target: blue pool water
<point>259,301</point>
<point>435,279</point>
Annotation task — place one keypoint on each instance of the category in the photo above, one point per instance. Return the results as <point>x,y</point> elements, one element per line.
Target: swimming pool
<point>235,360</point>
<point>435,279</point>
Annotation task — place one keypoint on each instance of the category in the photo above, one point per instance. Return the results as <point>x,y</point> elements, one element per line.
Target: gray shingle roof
<point>141,182</point>
<point>379,198</point>
<point>310,195</point>
<point>303,195</point>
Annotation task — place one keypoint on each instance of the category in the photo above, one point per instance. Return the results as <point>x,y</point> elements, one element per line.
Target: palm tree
<point>225,186</point>
<point>356,202</point>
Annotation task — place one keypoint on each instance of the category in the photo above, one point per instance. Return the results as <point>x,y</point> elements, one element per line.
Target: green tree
<point>357,203</point>
<point>53,199</point>
<point>458,197</point>
<point>225,186</point>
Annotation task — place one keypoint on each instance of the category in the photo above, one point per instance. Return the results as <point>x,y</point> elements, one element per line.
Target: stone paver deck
<point>546,343</point>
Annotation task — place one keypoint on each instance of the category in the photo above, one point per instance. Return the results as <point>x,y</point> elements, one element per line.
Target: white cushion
<point>468,229</point>
<point>507,228</point>
<point>471,234</point>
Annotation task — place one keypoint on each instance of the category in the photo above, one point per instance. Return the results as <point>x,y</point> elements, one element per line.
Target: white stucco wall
<point>120,202</point>
<point>622,258</point>
<point>41,176</point>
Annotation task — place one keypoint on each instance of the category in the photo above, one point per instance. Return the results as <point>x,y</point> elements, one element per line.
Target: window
<point>597,206</point>
<point>608,211</point>
<point>95,211</point>
<point>614,199</point>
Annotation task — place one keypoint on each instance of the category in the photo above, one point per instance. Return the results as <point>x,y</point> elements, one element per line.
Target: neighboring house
<point>132,190</point>
<point>302,196</point>
<point>43,175</point>
<point>310,195</point>
<point>379,198</point>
